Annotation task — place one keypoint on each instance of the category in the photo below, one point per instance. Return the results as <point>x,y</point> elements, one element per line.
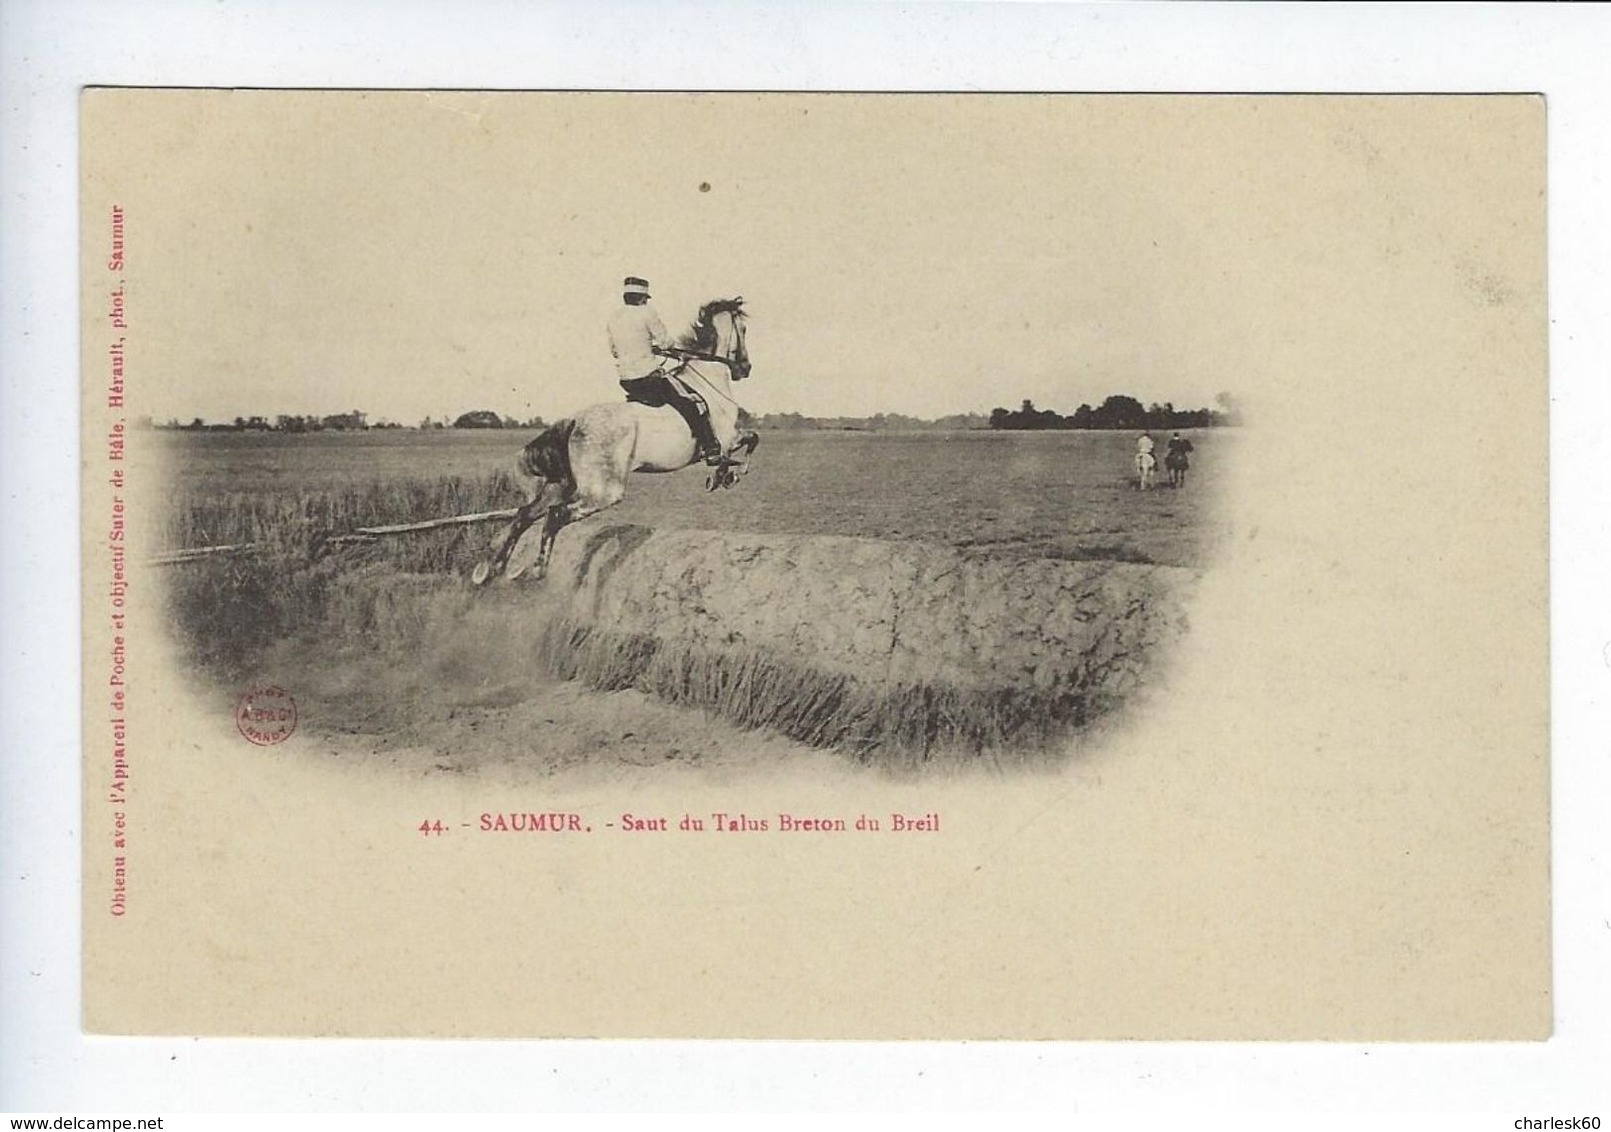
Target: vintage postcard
<point>815,565</point>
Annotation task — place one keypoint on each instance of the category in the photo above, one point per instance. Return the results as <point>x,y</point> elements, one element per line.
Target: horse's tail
<point>548,458</point>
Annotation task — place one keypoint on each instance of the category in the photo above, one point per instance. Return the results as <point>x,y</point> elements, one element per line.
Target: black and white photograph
<point>491,467</point>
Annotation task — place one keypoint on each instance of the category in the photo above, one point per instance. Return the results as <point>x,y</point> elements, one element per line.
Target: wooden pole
<point>433,524</point>
<point>361,534</point>
<point>197,553</point>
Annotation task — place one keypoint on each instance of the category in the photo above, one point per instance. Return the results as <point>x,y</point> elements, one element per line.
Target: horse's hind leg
<point>524,518</point>
<point>598,477</point>
<point>546,460</point>
<point>562,515</point>
<point>587,505</point>
<point>547,499</point>
<point>556,519</point>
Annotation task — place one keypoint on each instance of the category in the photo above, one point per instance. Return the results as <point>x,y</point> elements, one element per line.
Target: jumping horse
<point>579,466</point>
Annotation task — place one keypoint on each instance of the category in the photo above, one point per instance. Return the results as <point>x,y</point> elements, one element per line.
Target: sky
<point>414,254</point>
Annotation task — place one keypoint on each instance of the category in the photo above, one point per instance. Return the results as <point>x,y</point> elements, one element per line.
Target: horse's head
<point>719,331</point>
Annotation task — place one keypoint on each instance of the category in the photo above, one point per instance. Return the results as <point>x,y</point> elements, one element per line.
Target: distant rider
<point>1176,460</point>
<point>1144,445</point>
<point>641,347</point>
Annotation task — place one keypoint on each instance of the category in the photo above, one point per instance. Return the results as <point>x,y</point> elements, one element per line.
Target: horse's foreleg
<point>743,448</point>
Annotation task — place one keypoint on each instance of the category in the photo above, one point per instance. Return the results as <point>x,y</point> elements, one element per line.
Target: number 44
<point>428,827</point>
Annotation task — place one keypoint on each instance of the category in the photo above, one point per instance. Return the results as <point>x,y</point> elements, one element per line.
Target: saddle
<point>654,390</point>
<point>645,391</point>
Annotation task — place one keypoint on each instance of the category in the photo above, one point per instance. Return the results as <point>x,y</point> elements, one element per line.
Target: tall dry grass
<point>755,687</point>
<point>227,609</point>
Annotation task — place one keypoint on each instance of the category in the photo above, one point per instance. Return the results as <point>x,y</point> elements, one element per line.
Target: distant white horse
<point>1146,469</point>
<point>580,465</point>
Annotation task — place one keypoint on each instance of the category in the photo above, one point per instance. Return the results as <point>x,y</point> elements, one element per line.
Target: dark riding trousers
<point>658,390</point>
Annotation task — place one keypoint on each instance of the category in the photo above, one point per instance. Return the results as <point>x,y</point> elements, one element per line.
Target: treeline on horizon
<point>1116,412</point>
<point>355,421</point>
<point>1119,412</point>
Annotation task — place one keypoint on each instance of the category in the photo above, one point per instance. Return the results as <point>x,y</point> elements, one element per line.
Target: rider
<point>641,347</point>
<point>1144,444</point>
<point>1179,445</point>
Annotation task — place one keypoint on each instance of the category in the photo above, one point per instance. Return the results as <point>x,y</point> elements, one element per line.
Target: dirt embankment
<point>859,644</point>
<point>894,653</point>
<point>889,651</point>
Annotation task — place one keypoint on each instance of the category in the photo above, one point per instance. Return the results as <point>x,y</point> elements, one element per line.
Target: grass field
<point>1048,494</point>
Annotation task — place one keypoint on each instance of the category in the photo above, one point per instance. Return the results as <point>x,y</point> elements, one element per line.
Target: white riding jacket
<point>634,332</point>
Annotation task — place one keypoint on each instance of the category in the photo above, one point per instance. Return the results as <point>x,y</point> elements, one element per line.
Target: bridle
<point>731,360</point>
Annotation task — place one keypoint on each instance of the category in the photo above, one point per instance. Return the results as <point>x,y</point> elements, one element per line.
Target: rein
<point>693,355</point>
<point>705,381</point>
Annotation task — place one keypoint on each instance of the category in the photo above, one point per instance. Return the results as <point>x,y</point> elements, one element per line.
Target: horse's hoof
<point>482,571</point>
<point>515,572</point>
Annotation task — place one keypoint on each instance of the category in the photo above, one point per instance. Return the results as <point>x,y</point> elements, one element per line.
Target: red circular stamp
<point>266,716</point>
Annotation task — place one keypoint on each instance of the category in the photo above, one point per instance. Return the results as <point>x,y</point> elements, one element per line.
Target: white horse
<point>580,465</point>
<point>1146,469</point>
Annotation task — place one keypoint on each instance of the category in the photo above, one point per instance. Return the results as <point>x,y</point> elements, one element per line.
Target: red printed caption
<point>565,821</point>
<point>117,587</point>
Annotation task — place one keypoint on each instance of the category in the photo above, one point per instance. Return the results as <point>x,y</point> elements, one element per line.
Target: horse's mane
<point>701,334</point>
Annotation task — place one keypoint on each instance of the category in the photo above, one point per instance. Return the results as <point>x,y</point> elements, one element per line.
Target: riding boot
<point>710,449</point>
